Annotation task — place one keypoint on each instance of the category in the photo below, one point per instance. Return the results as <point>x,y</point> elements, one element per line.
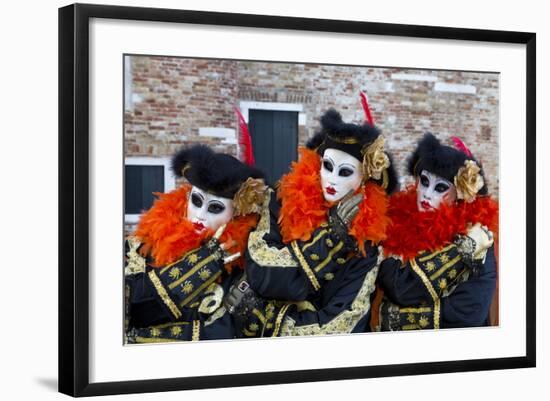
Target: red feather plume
<point>461,146</point>
<point>366,108</point>
<point>245,141</point>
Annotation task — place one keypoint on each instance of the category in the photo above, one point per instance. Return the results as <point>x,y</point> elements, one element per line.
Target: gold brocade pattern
<point>168,266</point>
<point>329,276</point>
<point>434,254</point>
<point>279,319</point>
<point>431,290</point>
<point>346,321</point>
<point>192,271</point>
<point>445,267</point>
<point>136,262</point>
<point>205,274</point>
<point>212,300</point>
<point>199,289</point>
<point>327,260</point>
<point>315,239</point>
<point>218,313</point>
<point>187,287</point>
<point>196,330</point>
<point>164,295</point>
<point>260,251</point>
<point>309,273</point>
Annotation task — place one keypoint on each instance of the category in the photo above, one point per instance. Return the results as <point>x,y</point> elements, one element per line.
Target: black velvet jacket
<point>309,288</point>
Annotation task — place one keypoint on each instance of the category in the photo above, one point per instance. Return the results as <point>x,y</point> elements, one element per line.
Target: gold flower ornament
<point>250,196</point>
<point>375,161</point>
<point>468,181</point>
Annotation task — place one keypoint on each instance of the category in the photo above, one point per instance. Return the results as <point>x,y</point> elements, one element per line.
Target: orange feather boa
<point>167,234</point>
<point>303,206</point>
<point>413,231</point>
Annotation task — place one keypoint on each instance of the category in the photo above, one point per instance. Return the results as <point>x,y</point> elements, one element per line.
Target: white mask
<point>340,174</point>
<point>205,210</point>
<point>432,190</point>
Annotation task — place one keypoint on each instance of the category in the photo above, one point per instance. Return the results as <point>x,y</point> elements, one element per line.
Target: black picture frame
<point>74,198</point>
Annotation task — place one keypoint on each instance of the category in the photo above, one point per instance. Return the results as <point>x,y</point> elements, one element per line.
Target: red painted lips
<point>330,190</point>
<point>199,226</point>
<point>426,205</point>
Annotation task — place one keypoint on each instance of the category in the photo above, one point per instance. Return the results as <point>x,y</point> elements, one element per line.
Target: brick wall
<point>405,103</point>
<point>170,100</point>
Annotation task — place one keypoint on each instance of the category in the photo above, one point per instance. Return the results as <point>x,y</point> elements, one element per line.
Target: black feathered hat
<point>219,174</point>
<point>446,161</point>
<point>362,141</point>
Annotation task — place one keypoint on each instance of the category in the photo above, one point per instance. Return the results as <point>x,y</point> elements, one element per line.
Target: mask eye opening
<point>327,165</point>
<point>345,172</point>
<point>216,207</point>
<point>196,200</point>
<point>424,180</point>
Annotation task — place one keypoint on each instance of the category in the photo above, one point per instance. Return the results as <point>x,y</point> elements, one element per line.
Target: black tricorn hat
<point>217,173</point>
<point>353,139</point>
<point>442,160</point>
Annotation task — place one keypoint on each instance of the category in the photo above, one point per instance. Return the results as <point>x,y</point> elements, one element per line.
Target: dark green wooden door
<point>275,141</point>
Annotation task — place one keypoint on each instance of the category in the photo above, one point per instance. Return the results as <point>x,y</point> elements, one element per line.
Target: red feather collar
<point>167,234</point>
<point>412,231</point>
<point>303,206</point>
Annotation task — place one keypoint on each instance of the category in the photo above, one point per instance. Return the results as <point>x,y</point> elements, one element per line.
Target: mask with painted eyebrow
<point>433,190</point>
<point>340,173</point>
<point>207,211</point>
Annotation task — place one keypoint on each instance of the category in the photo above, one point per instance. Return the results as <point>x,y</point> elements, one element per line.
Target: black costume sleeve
<point>344,305</point>
<point>452,296</point>
<point>295,271</point>
<point>171,293</point>
<point>422,279</point>
<point>468,305</point>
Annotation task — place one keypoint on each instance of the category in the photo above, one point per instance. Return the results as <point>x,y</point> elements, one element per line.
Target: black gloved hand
<point>341,216</point>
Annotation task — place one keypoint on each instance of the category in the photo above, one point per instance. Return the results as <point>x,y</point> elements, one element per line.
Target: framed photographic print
<point>374,182</point>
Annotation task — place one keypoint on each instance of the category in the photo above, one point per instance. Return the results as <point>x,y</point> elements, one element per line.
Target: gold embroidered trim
<point>424,279</point>
<point>305,305</point>
<point>348,140</point>
<point>215,316</point>
<point>147,340</point>
<point>163,270</point>
<point>280,316</point>
<point>202,263</point>
<point>259,315</point>
<point>136,262</point>
<point>212,300</point>
<point>314,240</point>
<point>332,252</point>
<point>198,290</point>
<point>433,255</point>
<point>309,273</point>
<point>445,267</point>
<point>346,321</point>
<point>431,290</point>
<point>163,294</point>
<point>196,330</point>
<point>260,251</point>
<point>249,333</point>
<point>171,324</point>
<point>415,310</point>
